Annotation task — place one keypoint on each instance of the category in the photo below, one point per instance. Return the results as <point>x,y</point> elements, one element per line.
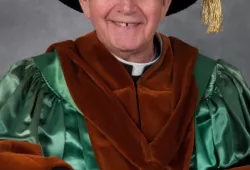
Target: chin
<point>123,43</point>
<point>126,47</point>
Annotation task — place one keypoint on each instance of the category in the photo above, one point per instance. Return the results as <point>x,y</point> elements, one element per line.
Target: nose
<point>128,6</point>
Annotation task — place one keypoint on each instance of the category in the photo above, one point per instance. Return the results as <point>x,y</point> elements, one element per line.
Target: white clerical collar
<point>138,68</point>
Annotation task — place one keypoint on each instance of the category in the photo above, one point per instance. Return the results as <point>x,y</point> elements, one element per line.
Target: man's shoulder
<point>28,67</point>
<point>45,60</point>
<point>203,70</point>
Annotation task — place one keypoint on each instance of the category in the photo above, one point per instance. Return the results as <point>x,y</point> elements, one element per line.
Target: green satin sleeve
<point>35,106</point>
<point>222,130</point>
<point>16,123</point>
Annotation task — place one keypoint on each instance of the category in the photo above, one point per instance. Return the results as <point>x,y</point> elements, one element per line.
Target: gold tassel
<point>212,15</point>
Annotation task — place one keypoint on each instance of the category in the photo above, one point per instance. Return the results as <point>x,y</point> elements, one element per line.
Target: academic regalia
<point>76,106</point>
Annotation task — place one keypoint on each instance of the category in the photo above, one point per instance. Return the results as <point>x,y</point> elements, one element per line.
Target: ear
<point>85,7</point>
<point>165,7</point>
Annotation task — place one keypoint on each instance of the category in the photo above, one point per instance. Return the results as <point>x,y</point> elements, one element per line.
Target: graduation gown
<point>77,107</point>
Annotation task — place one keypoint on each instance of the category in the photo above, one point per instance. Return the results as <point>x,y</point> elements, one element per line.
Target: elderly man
<point>125,97</point>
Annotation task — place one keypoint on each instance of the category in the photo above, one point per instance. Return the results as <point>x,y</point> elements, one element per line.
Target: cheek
<point>100,8</point>
<point>152,13</point>
<point>97,9</point>
<point>98,17</point>
<point>153,18</point>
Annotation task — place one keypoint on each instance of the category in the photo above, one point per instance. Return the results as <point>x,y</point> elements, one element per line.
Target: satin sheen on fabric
<point>36,106</point>
<point>223,121</point>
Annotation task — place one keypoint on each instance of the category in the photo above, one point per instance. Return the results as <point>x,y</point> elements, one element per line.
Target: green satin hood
<point>35,106</point>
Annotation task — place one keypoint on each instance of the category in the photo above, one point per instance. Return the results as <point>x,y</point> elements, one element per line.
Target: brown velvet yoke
<point>104,92</point>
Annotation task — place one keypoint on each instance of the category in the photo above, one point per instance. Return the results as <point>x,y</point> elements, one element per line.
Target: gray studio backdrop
<point>28,27</point>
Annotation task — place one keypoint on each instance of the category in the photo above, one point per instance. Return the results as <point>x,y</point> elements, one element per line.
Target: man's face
<point>147,13</point>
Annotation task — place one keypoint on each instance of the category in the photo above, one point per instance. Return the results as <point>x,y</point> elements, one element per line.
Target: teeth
<point>124,24</point>
<point>121,24</point>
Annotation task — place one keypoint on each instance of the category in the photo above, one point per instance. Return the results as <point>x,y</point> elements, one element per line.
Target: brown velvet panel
<point>241,168</point>
<point>26,156</point>
<point>104,92</point>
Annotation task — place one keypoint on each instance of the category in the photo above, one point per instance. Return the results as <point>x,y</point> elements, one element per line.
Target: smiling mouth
<point>123,24</point>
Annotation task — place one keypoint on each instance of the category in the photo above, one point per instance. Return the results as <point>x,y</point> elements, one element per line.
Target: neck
<point>143,56</point>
